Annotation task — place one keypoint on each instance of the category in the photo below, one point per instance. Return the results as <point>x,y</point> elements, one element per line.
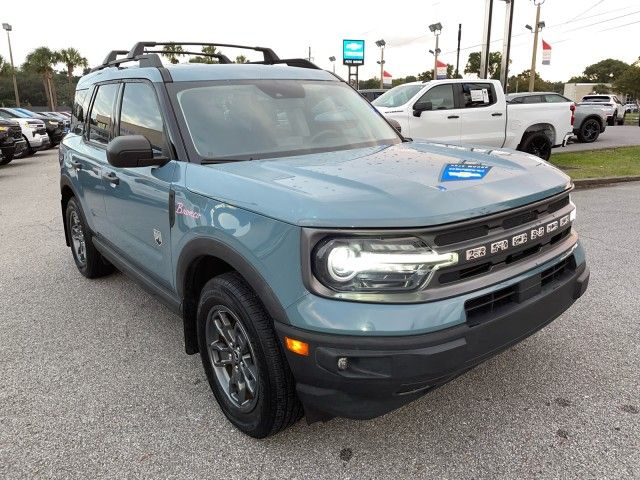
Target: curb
<point>603,181</point>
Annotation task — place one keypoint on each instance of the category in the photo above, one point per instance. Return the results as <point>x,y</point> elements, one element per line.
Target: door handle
<point>111,177</point>
<point>497,114</point>
<point>453,116</point>
<point>76,165</point>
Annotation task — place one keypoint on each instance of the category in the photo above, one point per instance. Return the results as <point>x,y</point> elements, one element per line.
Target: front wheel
<point>6,158</point>
<point>611,121</point>
<point>242,358</point>
<point>538,144</point>
<point>622,120</point>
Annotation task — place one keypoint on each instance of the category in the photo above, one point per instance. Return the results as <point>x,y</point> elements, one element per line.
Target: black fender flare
<point>65,182</point>
<point>202,246</point>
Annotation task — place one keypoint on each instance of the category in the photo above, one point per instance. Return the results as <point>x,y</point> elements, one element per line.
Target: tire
<point>89,261</point>
<point>589,131</point>
<point>538,144</point>
<point>229,309</point>
<point>622,120</point>
<point>612,121</point>
<point>29,151</point>
<point>6,158</point>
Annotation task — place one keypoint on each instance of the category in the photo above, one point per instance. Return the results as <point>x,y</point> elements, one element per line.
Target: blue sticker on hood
<point>463,171</point>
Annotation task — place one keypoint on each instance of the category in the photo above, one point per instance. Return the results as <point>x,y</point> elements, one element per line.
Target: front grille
<point>15,133</point>
<point>41,130</point>
<point>483,308</point>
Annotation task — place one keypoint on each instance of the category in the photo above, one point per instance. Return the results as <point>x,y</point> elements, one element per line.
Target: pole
<point>382,67</point>
<point>435,56</point>
<point>532,72</point>
<point>458,54</point>
<point>506,45</point>
<point>486,40</point>
<point>13,72</point>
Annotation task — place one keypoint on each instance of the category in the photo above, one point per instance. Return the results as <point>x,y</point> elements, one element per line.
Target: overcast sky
<point>580,32</point>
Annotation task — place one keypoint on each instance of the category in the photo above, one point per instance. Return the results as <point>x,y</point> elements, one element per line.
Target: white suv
<point>614,108</point>
<point>33,131</point>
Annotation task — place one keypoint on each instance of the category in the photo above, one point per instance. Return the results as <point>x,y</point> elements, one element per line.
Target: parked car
<point>322,263</point>
<point>475,112</point>
<point>11,141</point>
<point>631,107</point>
<point>372,93</point>
<point>590,120</point>
<point>53,126</point>
<point>33,131</point>
<point>614,107</point>
<point>66,121</point>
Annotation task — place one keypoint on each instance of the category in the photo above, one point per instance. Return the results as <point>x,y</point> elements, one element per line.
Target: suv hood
<point>389,186</point>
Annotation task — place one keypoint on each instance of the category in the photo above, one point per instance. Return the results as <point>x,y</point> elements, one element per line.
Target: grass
<point>631,119</point>
<point>614,162</point>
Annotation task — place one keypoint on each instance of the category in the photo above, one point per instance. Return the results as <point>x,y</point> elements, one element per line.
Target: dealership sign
<point>353,52</point>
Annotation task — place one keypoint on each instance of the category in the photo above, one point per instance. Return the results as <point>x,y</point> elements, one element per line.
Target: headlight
<point>3,129</point>
<point>376,264</point>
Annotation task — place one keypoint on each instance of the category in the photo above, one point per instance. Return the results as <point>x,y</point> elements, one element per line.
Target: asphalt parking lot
<point>95,384</point>
<point>613,137</point>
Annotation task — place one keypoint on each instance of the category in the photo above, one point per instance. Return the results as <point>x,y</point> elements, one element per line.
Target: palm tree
<point>41,61</point>
<point>72,59</point>
<point>169,48</point>
<point>242,59</point>
<point>209,50</point>
<point>4,66</point>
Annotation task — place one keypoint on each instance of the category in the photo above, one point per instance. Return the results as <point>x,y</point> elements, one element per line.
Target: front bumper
<point>384,373</point>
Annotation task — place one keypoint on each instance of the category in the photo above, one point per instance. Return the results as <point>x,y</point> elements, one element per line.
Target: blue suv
<point>322,264</point>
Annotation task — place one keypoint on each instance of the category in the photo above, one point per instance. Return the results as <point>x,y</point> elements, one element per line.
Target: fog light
<point>343,363</point>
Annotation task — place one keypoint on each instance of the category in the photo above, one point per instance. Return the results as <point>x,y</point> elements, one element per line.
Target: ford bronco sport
<point>322,263</point>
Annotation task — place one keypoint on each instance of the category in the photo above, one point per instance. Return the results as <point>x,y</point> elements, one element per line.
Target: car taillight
<point>573,113</point>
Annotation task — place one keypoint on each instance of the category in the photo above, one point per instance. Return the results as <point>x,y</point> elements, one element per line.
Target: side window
<point>440,97</point>
<point>100,120</point>
<point>478,95</point>
<point>79,109</point>
<point>532,99</point>
<point>555,99</point>
<point>140,115</point>
<point>517,100</point>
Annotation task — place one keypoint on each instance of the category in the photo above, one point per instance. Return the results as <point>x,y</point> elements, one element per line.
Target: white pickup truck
<point>475,112</point>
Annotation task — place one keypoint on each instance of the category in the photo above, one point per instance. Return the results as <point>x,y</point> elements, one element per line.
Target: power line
<point>619,26</point>
<point>587,10</point>
<point>603,21</point>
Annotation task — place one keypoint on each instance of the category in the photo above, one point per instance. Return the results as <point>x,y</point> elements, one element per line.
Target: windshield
<point>595,99</point>
<point>13,114</point>
<point>398,96</point>
<point>269,118</point>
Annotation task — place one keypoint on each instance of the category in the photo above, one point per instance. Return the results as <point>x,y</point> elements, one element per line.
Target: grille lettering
<point>477,252</point>
<point>519,239</point>
<point>499,246</point>
<point>537,233</point>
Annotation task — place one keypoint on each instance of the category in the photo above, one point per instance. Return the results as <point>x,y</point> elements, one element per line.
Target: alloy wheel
<point>232,357</point>
<point>77,238</point>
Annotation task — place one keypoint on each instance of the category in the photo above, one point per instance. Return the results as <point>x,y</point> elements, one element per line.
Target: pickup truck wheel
<point>243,360</point>
<point>611,121</point>
<point>538,144</point>
<point>6,158</point>
<point>89,261</point>
<point>589,131</point>
<point>28,151</point>
<point>622,120</point>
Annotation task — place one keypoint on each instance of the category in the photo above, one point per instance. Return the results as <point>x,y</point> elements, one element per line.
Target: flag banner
<point>387,78</point>
<point>546,53</point>
<point>441,70</point>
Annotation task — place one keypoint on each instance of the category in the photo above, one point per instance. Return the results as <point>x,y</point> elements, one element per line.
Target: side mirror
<point>132,151</point>
<point>420,107</point>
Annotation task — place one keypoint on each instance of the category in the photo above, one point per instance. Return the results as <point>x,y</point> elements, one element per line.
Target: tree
<point>629,82</point>
<point>520,83</point>
<point>5,67</point>
<point>242,59</point>
<point>172,51</point>
<point>495,64</point>
<point>428,75</point>
<point>72,59</point>
<point>209,50</point>
<point>371,83</point>
<point>605,71</point>
<point>41,61</point>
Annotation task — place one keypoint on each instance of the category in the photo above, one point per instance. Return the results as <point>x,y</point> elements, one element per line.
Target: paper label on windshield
<point>485,95</point>
<point>463,171</point>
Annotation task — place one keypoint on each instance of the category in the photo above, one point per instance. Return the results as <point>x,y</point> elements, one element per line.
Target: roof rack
<point>268,54</point>
<point>151,58</point>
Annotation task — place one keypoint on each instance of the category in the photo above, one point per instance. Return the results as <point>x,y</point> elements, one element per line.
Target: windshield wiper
<point>209,161</point>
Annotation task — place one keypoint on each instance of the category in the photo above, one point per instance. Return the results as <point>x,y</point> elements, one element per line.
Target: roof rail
<point>292,62</point>
<point>151,60</point>
<point>269,55</point>
<point>113,54</point>
<point>221,57</point>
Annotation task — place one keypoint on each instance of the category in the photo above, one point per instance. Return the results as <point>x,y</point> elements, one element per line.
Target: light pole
<point>436,28</point>
<point>332,59</point>
<point>8,28</point>
<point>535,29</point>
<point>381,43</point>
